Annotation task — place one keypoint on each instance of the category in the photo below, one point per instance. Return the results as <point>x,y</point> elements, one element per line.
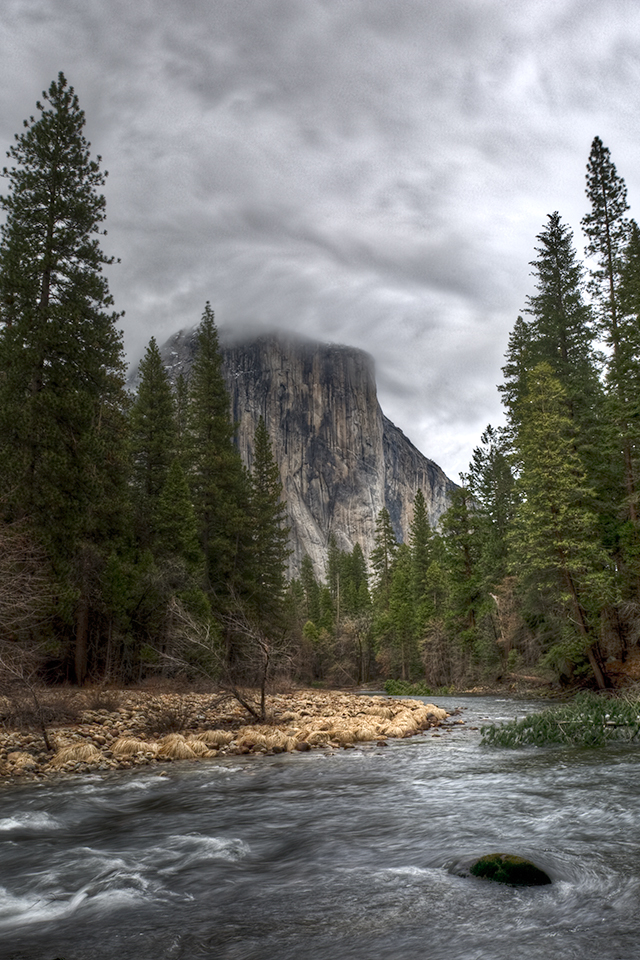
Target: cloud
<point>361,172</point>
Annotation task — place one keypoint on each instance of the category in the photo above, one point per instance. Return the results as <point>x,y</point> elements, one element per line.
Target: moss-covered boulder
<point>508,868</point>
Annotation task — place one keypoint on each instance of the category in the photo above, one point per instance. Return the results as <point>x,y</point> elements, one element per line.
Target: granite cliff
<point>341,460</point>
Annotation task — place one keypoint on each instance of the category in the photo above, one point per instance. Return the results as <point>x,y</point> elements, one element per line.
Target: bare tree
<point>242,666</point>
<point>27,589</point>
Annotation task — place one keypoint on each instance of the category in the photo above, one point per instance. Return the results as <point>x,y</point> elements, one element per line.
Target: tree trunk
<point>82,639</point>
<point>591,646</point>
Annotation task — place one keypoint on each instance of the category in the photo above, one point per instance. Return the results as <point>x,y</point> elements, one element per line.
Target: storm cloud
<point>362,172</point>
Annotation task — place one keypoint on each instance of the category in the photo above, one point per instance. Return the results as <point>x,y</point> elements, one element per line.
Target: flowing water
<point>338,855</point>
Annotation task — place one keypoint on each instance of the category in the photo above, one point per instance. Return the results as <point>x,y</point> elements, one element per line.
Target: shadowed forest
<point>134,544</point>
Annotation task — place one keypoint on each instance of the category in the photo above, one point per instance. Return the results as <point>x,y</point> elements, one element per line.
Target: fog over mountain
<point>363,172</point>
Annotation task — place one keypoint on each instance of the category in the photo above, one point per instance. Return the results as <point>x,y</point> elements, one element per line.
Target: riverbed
<point>356,853</point>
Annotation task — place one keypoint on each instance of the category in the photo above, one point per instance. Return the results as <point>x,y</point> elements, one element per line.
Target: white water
<point>353,854</point>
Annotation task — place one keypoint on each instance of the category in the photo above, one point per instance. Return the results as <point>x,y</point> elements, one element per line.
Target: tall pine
<point>219,482</point>
<point>270,532</point>
<point>608,230</point>
<point>62,394</point>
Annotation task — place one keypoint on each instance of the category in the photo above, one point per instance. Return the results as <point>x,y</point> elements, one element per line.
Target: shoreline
<point>140,729</point>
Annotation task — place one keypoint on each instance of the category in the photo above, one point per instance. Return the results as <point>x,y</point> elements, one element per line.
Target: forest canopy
<point>135,543</point>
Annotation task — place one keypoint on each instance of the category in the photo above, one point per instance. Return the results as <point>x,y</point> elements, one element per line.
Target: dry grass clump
<point>199,748</point>
<point>175,747</point>
<point>129,747</point>
<point>315,737</point>
<point>81,752</point>
<point>385,713</point>
<point>265,738</point>
<point>214,738</point>
<point>22,759</point>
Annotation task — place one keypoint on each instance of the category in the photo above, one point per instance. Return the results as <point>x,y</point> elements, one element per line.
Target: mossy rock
<point>510,869</point>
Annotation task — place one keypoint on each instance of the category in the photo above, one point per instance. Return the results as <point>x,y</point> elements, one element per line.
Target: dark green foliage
<point>491,486</point>
<point>405,688</point>
<point>610,236</point>
<point>589,720</point>
<point>554,544</point>
<point>176,527</point>
<point>271,550</point>
<point>383,556</point>
<point>220,486</point>
<point>153,441</point>
<point>62,385</point>
<point>62,397</point>
<point>607,229</point>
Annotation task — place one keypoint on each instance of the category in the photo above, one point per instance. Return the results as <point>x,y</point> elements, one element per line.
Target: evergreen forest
<point>135,544</point>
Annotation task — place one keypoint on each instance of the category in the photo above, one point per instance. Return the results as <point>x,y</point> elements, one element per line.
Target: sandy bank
<point>142,728</point>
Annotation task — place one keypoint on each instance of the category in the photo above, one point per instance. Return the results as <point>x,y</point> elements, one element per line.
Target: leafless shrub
<point>171,716</point>
<point>193,648</point>
<point>27,587</point>
<point>103,698</point>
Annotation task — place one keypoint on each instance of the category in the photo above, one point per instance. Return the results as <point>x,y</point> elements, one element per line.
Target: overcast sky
<point>366,172</point>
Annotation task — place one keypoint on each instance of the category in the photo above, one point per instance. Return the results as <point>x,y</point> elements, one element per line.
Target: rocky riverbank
<point>137,728</point>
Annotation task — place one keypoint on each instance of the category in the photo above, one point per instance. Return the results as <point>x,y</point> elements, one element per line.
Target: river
<point>330,855</point>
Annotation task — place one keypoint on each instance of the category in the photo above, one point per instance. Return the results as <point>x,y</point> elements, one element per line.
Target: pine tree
<point>311,590</point>
<point>62,395</point>
<point>562,322</point>
<point>153,440</point>
<point>175,522</point>
<point>219,481</point>
<point>420,536</point>
<point>459,526</point>
<point>271,549</point>
<point>608,230</point>
<point>383,556</point>
<point>401,636</point>
<point>554,544</point>
<point>491,487</point>
<point>518,361</point>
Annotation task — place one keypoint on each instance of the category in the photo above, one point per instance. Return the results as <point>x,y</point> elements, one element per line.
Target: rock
<point>510,869</point>
<point>340,459</point>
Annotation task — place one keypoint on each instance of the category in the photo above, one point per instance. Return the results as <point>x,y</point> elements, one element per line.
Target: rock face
<point>341,460</point>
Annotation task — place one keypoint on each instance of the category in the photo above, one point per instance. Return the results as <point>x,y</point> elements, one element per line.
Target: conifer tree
<point>400,639</point>
<point>459,525</point>
<point>491,486</point>
<point>62,392</point>
<point>219,482</point>
<point>153,441</point>
<point>607,228</point>
<point>609,231</point>
<point>271,550</point>
<point>311,590</point>
<point>554,544</point>
<point>383,556</point>
<point>175,522</point>
<point>518,361</point>
<point>420,537</point>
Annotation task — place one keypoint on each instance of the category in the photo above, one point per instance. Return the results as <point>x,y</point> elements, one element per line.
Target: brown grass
<point>129,747</point>
<point>214,738</point>
<point>80,752</point>
<point>175,747</point>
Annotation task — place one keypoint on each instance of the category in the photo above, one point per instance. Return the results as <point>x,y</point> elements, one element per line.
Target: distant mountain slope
<point>341,460</point>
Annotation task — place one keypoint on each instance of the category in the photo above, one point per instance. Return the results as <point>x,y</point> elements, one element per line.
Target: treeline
<point>132,538</point>
<point>133,541</point>
<point>537,560</point>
